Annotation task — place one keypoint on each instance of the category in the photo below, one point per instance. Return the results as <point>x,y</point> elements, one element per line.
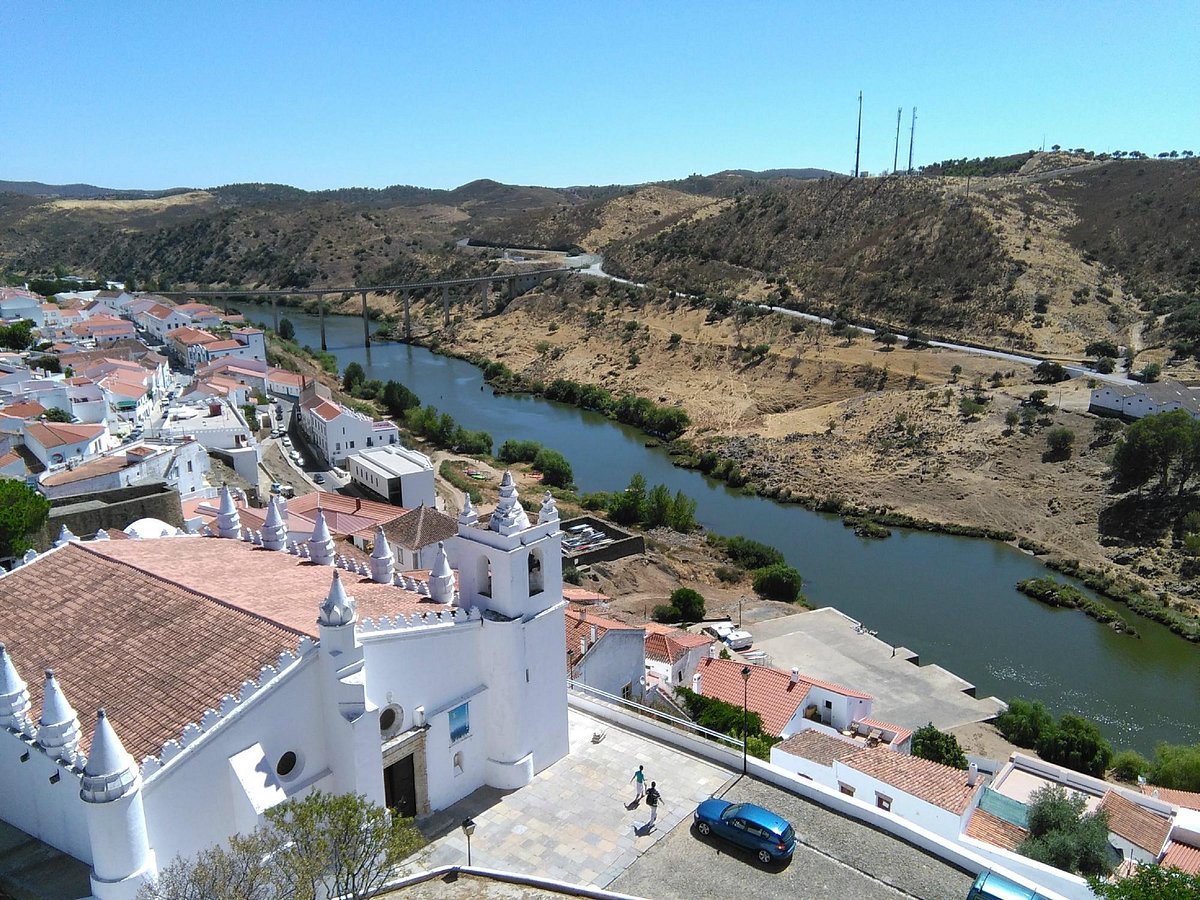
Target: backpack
<point>652,796</point>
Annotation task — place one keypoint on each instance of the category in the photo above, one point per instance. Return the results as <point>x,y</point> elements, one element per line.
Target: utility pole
<point>858,140</point>
<point>896,155</point>
<point>911,133</point>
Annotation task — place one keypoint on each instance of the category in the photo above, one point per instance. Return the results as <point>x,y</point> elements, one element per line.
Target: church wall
<point>50,811</point>
<point>193,802</point>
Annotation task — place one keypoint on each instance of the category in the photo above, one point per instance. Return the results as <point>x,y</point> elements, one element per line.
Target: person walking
<point>639,777</point>
<point>652,800</point>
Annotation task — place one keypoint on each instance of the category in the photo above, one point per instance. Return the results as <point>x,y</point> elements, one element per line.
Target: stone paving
<point>575,822</point>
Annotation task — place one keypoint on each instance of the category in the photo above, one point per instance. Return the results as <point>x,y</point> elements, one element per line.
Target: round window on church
<point>391,720</point>
<point>288,764</point>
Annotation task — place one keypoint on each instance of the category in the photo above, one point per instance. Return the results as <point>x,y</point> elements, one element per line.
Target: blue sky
<point>160,94</point>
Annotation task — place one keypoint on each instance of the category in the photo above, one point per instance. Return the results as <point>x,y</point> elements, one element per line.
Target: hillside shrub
<point>778,582</point>
<point>1076,742</point>
<point>556,471</point>
<point>666,613</point>
<point>1024,721</point>
<point>938,746</point>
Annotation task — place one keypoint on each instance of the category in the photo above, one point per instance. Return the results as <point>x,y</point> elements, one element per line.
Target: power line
<point>858,140</point>
<point>896,155</point>
<point>911,134</point>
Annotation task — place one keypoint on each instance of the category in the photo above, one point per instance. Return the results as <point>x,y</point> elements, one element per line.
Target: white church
<point>158,695</point>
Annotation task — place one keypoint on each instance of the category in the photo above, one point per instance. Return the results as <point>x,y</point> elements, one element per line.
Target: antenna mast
<point>858,140</point>
<point>911,134</point>
<point>896,155</point>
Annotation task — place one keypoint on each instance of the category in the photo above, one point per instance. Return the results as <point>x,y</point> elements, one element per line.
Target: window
<point>627,691</point>
<point>288,764</point>
<point>189,465</point>
<point>391,720</point>
<point>884,803</point>
<point>460,722</point>
<point>845,789</point>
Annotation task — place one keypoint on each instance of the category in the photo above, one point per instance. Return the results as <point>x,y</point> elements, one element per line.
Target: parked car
<point>728,633</point>
<point>319,478</point>
<point>275,487</point>
<point>770,836</point>
<point>287,441</point>
<point>990,886</point>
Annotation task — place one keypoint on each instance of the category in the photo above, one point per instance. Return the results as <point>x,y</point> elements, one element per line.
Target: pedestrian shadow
<point>633,804</point>
<point>643,830</point>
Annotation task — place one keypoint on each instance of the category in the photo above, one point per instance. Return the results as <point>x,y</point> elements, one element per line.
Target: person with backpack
<point>652,800</point>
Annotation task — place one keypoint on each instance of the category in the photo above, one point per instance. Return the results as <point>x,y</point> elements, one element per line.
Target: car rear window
<point>788,834</point>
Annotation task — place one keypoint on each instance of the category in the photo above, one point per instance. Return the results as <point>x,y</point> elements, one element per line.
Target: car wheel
<point>765,858</point>
<point>704,828</point>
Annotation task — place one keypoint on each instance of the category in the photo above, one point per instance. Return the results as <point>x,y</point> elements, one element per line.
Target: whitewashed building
<point>394,474</point>
<point>1135,401</point>
<point>182,466</point>
<point>321,678</point>
<point>57,443</point>
<point>605,654</point>
<point>335,431</point>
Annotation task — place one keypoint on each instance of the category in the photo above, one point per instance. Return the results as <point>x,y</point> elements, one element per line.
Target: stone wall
<point>110,510</point>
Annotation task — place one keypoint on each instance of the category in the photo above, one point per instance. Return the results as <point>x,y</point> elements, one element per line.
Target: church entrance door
<point>400,787</point>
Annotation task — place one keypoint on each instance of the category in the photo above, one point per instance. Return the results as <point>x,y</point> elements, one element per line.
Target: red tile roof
<point>669,645</point>
<point>326,410</point>
<point>983,826</point>
<point>188,336</point>
<point>943,786</point>
<point>58,434</point>
<point>818,746</point>
<point>416,528</point>
<point>1183,857</point>
<point>284,377</point>
<point>769,692</point>
<point>223,345</point>
<point>29,409</point>
<point>1137,825</point>
<point>579,626</point>
<point>902,734</point>
<point>1185,799</point>
<point>582,595</point>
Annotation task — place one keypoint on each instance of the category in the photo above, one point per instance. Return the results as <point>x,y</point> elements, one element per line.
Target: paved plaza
<point>572,823</point>
<point>824,644</point>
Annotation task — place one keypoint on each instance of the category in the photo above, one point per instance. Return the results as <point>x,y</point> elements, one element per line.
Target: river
<point>952,600</point>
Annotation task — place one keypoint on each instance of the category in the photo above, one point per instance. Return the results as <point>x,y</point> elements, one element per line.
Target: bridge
<point>512,284</point>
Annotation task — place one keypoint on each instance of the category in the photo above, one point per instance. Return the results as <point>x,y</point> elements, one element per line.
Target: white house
<point>182,466</point>
<point>605,654</point>
<point>1137,401</point>
<point>673,654</point>
<point>336,431</point>
<point>18,303</point>
<point>394,474</point>
<point>56,443</point>
<point>321,679</point>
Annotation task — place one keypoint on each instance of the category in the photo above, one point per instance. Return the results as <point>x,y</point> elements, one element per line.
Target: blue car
<point>769,836</point>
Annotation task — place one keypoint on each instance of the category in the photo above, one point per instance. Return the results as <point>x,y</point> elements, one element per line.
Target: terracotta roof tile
<point>419,527</point>
<point>326,410</point>
<point>902,734</point>
<point>818,746</point>
<point>1139,826</point>
<point>582,595</point>
<point>769,692</point>
<point>943,786</point>
<point>1183,857</point>
<point>983,826</point>
<point>57,434</point>
<point>667,644</point>
<point>29,409</point>
<point>579,626</point>
<point>1185,799</point>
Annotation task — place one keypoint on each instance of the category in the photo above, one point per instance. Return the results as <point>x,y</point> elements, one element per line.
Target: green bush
<point>689,603</point>
<point>746,553</point>
<point>1128,765</point>
<point>1176,766</point>
<point>938,746</point>
<point>1061,835</point>
<point>513,451</point>
<point>1076,742</point>
<point>556,471</point>
<point>778,582</point>
<point>666,613</point>
<point>1024,721</point>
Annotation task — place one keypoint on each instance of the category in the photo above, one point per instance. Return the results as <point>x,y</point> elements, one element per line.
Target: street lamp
<point>740,599</point>
<point>468,827</point>
<point>745,715</point>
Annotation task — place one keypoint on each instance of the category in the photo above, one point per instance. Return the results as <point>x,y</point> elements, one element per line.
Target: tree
<point>1176,766</point>
<point>1128,765</point>
<point>1011,418</point>
<point>682,517</point>
<point>887,339</point>
<point>17,336</point>
<point>555,469</point>
<point>666,613</point>
<point>1165,446</point>
<point>1061,835</point>
<point>626,508</point>
<point>938,746</point>
<point>1105,365</point>
<point>1059,442</point>
<point>287,330</point>
<point>1024,721</point>
<point>778,582</point>
<point>658,506</point>
<point>343,844</point>
<point>23,512</point>
<point>56,414</point>
<point>955,371</point>
<point>397,398</point>
<point>689,603</point>
<point>1149,373</point>
<point>1049,372</point>
<point>1102,348</point>
<point>1149,882</point>
<point>1076,742</point>
<point>353,377</point>
<point>343,840</point>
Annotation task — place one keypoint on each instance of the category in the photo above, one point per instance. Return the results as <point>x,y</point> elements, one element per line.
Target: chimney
<point>357,503</point>
<point>712,651</point>
<point>696,683</point>
<point>795,676</point>
<point>593,635</point>
<point>972,775</point>
<point>582,646</point>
